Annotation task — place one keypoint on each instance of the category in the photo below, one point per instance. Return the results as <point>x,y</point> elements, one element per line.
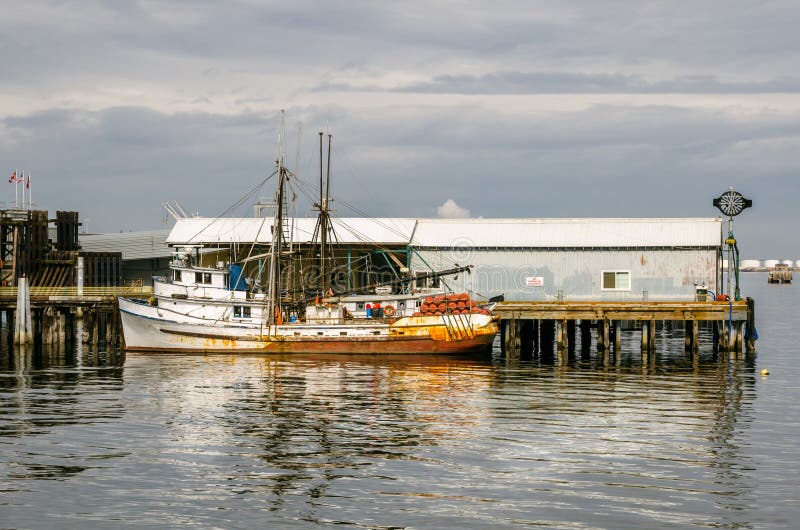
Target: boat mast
<point>274,289</point>
<point>322,223</point>
<point>323,227</point>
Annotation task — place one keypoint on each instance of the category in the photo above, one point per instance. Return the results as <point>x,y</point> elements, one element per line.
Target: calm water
<point>98,441</point>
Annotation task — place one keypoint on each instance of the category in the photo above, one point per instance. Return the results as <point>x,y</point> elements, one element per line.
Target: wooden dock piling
<point>548,338</point>
<point>750,327</point>
<point>586,338</point>
<point>691,336</point>
<point>526,338</point>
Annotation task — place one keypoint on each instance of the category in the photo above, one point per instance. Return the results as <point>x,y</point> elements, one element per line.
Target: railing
<point>139,290</point>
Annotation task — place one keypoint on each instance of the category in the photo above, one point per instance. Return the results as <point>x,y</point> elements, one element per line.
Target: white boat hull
<point>146,328</point>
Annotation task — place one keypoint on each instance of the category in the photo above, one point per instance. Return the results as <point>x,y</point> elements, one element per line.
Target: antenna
<point>320,168</point>
<point>328,182</point>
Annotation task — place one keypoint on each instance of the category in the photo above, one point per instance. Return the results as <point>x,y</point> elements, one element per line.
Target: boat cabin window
<point>176,275</point>
<point>359,306</point>
<point>240,311</point>
<point>202,277</point>
<point>616,281</point>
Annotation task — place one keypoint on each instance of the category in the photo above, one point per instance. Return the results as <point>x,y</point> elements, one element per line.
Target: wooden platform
<point>538,326</point>
<point>638,311</point>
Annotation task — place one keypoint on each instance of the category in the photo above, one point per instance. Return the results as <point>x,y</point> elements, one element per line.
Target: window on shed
<point>616,280</point>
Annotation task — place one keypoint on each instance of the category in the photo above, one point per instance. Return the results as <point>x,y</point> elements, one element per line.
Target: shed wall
<point>669,274</point>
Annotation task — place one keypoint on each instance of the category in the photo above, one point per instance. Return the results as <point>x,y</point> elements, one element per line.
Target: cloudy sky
<point>562,108</point>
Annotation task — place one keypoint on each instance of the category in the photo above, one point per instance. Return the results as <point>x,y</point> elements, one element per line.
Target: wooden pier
<point>60,283</point>
<point>542,327</point>
<point>56,311</point>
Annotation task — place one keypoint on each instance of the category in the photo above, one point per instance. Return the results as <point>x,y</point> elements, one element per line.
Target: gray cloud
<point>116,107</point>
<point>573,83</point>
<point>118,165</point>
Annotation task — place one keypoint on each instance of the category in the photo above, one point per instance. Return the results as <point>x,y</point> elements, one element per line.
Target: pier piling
<point>750,327</point>
<point>23,330</point>
<point>586,338</point>
<point>548,335</point>
<point>526,338</point>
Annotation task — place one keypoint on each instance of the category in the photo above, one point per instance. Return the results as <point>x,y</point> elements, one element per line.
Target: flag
<point>13,177</point>
<point>28,183</point>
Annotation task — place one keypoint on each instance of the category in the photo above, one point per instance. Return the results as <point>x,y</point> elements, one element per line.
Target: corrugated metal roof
<point>424,233</point>
<point>349,230</point>
<point>567,233</point>
<point>133,245</point>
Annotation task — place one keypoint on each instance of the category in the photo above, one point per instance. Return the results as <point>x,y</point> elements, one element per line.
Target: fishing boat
<point>220,307</point>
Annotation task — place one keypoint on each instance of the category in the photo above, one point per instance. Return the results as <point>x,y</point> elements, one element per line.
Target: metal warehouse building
<point>523,259</point>
<point>578,259</point>
<point>144,254</point>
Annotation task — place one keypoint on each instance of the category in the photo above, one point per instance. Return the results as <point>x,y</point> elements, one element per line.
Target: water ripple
<point>401,442</point>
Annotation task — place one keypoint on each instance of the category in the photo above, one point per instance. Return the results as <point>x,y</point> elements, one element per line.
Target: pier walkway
<point>73,295</point>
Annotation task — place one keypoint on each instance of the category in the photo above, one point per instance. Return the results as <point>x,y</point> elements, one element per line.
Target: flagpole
<point>16,191</point>
<point>23,189</point>
<point>30,192</point>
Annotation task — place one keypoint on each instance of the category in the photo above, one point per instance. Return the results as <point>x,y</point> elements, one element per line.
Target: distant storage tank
<point>797,264</point>
<point>770,263</point>
<point>788,262</point>
<point>750,264</point>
